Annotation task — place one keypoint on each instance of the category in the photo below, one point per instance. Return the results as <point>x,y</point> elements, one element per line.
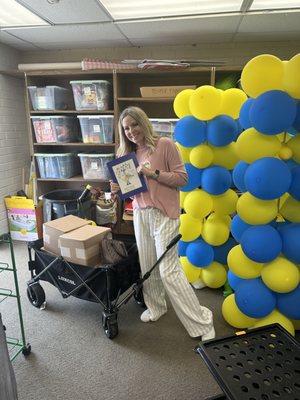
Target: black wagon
<point>105,285</point>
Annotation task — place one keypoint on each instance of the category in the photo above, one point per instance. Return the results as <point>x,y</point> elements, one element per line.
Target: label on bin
<point>94,165</point>
<point>41,102</point>
<point>96,128</point>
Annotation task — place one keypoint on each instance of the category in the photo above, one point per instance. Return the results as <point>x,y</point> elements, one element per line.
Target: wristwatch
<point>157,171</point>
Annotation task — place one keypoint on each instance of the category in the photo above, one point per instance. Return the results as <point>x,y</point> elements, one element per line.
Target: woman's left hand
<point>141,169</point>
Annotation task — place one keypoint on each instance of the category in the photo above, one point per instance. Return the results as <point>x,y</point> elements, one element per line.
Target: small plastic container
<point>164,126</point>
<point>50,98</point>
<point>52,129</point>
<point>94,165</point>
<point>59,166</point>
<point>92,95</point>
<point>96,128</point>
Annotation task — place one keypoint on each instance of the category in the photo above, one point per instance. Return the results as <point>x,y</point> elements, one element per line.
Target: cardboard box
<point>82,246</point>
<point>163,91</point>
<point>52,230</point>
<point>24,218</point>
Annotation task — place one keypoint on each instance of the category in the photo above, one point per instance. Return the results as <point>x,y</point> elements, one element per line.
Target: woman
<point>156,221</point>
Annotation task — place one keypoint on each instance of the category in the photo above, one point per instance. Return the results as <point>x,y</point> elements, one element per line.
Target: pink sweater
<point>162,193</point>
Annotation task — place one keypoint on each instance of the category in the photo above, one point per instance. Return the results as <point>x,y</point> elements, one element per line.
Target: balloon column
<point>264,266</point>
<point>205,135</point>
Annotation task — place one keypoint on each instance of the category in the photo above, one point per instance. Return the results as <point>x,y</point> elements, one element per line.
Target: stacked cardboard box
<point>75,240</point>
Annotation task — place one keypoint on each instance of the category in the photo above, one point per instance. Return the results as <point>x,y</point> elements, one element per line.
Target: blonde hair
<point>126,146</point>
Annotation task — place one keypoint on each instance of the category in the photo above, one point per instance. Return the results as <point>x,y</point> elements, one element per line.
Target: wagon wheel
<point>36,295</point>
<point>110,325</point>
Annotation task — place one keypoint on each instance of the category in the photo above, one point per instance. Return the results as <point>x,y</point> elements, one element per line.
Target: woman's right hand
<point>114,187</point>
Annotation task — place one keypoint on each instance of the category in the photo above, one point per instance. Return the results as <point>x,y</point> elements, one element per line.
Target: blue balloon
<point>290,235</point>
<point>254,299</point>
<point>233,280</point>
<point>182,246</point>
<point>190,131</point>
<point>292,131</point>
<point>289,303</point>
<point>294,189</point>
<point>216,180</point>
<point>261,243</point>
<point>273,112</point>
<point>200,253</point>
<point>194,178</point>
<point>221,252</point>
<point>238,175</point>
<point>244,114</point>
<point>240,129</point>
<point>238,227</point>
<point>268,178</point>
<point>221,130</point>
<point>296,123</point>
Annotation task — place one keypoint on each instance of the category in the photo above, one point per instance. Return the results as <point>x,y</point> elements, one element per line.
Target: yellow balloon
<point>182,196</point>
<point>215,233</point>
<point>205,102</point>
<point>290,209</point>
<point>184,152</point>
<point>255,211</point>
<point>262,73</point>
<point>219,218</point>
<point>225,203</point>
<point>190,228</point>
<point>285,153</point>
<point>201,156</point>
<point>233,316</point>
<point>291,81</point>
<point>252,145</point>
<point>198,203</point>
<point>280,275</point>
<point>214,276</point>
<point>232,101</point>
<point>192,273</point>
<point>181,103</point>
<point>226,156</point>
<point>241,265</point>
<point>275,317</point>
<point>294,145</point>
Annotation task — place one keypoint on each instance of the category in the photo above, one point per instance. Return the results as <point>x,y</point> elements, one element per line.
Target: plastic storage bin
<point>50,97</point>
<point>63,129</point>
<point>97,128</point>
<point>164,126</point>
<point>94,165</point>
<point>60,166</point>
<point>92,95</point>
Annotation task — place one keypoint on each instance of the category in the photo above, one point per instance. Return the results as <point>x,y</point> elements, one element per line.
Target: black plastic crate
<point>263,363</point>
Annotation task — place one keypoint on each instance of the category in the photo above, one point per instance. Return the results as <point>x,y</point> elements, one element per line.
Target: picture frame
<point>123,171</point>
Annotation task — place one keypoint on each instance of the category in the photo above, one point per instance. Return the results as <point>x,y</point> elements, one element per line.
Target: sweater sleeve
<point>175,174</point>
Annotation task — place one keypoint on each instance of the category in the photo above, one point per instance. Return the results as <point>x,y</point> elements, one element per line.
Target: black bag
<point>113,251</point>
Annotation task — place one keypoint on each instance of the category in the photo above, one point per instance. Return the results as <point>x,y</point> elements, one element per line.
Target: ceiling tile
<point>266,37</point>
<point>15,42</point>
<point>179,28</point>
<point>91,44</point>
<point>182,40</point>
<point>68,11</point>
<point>69,34</point>
<point>271,22</point>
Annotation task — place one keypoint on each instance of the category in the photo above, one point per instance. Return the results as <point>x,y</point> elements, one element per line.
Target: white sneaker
<point>209,335</point>
<point>199,284</point>
<point>146,317</point>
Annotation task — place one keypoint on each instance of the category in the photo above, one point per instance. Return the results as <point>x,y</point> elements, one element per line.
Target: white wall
<point>14,147</point>
<point>234,53</point>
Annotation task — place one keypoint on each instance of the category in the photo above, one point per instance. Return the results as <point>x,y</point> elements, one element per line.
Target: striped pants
<point>153,232</point>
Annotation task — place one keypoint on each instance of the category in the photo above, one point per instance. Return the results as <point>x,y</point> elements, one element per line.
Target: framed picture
<point>123,172</point>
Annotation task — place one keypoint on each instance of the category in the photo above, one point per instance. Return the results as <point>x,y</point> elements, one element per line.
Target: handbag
<point>113,251</point>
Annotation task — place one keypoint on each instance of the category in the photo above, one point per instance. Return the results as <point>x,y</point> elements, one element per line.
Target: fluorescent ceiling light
<point>133,9</point>
<point>13,14</point>
<point>274,5</point>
